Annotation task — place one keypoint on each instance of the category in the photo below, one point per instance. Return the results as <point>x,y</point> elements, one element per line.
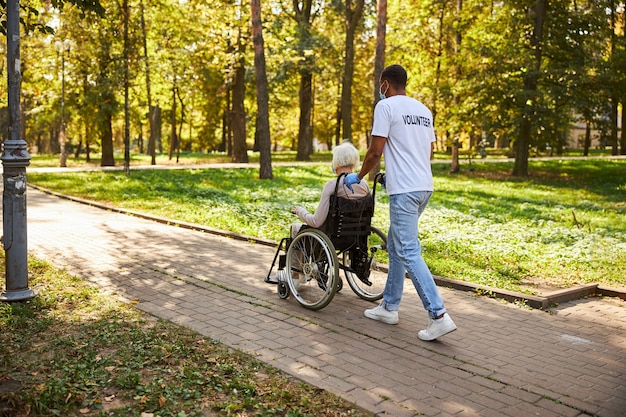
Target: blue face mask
<point>334,170</point>
<point>380,92</point>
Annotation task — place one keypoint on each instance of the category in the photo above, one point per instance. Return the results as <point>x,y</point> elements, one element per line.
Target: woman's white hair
<point>346,155</point>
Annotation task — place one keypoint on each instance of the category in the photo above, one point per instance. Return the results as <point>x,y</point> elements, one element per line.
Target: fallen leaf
<point>109,398</point>
<point>84,410</point>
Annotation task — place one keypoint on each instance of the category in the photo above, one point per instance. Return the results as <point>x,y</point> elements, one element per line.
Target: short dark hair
<point>395,74</point>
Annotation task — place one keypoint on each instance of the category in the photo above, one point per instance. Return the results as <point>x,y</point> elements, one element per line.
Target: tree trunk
<point>226,129</point>
<point>79,148</point>
<point>614,128</point>
<point>140,142</point>
<point>623,93</point>
<point>238,113</point>
<point>155,131</point>
<point>622,142</point>
<point>173,138</point>
<point>338,119</point>
<point>105,111</point>
<point>305,135</point>
<point>352,19</point>
<point>587,143</point>
<point>180,126</point>
<point>262,97</point>
<point>62,138</point>
<point>520,167</point>
<point>614,100</point>
<point>379,57</point>
<point>126,54</point>
<point>379,65</point>
<point>456,166</point>
<point>107,141</point>
<point>440,39</point>
<point>87,142</point>
<point>62,146</point>
<point>151,116</point>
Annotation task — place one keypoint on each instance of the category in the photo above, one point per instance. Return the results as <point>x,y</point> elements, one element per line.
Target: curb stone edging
<point>535,301</point>
<point>538,302</point>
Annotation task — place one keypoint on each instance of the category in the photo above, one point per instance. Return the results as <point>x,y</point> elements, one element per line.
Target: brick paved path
<point>503,359</point>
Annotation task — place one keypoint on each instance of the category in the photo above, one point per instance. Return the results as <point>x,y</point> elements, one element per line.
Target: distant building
<point>319,146</point>
<point>577,132</point>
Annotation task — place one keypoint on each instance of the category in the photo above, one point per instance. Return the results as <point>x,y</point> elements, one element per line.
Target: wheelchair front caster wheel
<point>339,285</point>
<point>283,290</point>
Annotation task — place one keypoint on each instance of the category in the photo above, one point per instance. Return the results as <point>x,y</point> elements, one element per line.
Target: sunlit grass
<point>564,225</point>
<point>185,158</point>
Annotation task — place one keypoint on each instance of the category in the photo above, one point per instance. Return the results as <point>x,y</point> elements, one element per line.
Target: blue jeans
<point>405,254</point>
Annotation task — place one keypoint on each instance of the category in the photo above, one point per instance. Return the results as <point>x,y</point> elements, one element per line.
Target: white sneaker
<point>380,313</point>
<point>437,328</point>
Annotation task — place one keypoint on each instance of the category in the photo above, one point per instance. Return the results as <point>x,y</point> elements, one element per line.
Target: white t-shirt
<point>408,126</point>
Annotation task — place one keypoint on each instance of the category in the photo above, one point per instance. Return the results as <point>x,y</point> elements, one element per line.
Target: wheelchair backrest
<point>349,220</point>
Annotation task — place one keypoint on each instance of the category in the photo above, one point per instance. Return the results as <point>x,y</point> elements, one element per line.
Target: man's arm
<point>373,155</point>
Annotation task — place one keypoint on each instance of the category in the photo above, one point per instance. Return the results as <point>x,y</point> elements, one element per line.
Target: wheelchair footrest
<point>366,281</point>
<point>281,277</point>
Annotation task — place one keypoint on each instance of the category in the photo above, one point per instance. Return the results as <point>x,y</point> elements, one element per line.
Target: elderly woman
<point>345,160</point>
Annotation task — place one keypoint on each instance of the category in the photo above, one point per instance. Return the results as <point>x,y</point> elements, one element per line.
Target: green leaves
<point>91,5</point>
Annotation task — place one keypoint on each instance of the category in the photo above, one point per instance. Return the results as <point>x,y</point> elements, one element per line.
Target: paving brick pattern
<point>503,360</point>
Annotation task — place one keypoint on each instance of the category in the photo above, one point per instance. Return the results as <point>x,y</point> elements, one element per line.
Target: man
<point>403,131</point>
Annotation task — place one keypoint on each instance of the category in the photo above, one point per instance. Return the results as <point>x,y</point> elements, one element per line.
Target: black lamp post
<point>15,158</point>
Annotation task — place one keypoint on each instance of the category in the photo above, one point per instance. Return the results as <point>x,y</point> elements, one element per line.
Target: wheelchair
<point>309,263</point>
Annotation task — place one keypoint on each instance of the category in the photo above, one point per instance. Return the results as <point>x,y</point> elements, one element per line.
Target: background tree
<point>531,78</point>
<point>353,10</point>
<point>126,76</point>
<point>303,17</point>
<point>379,65</point>
<point>472,63</point>
<point>238,112</point>
<point>29,13</point>
<point>153,113</point>
<point>262,119</point>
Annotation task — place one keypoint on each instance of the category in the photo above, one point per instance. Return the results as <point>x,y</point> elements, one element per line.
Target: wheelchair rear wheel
<point>372,290</point>
<point>313,269</point>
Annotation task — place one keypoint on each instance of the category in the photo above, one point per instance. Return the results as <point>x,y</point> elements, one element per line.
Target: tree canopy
<point>506,72</point>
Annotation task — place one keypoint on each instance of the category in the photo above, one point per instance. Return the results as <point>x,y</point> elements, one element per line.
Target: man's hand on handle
<point>382,180</point>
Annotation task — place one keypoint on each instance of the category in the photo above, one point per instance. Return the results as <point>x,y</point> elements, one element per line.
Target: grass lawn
<point>73,352</point>
<point>188,158</point>
<point>185,158</point>
<point>564,225</point>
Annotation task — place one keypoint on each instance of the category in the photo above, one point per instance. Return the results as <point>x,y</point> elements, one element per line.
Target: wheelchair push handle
<point>378,179</point>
